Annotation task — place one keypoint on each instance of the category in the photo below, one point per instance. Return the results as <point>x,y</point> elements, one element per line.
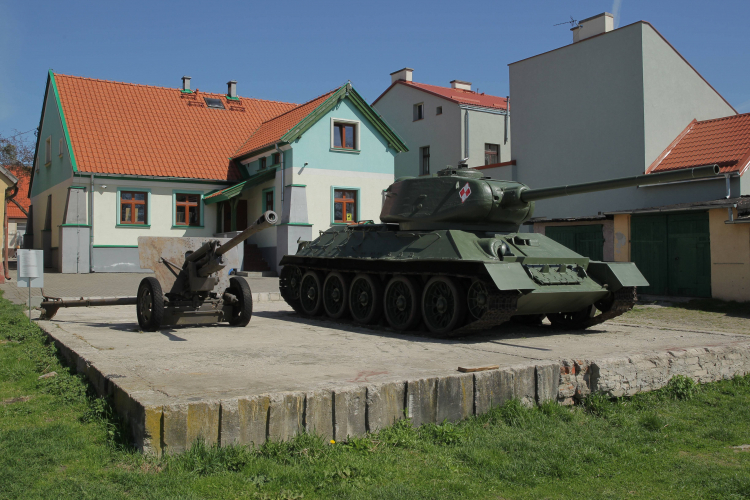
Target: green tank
<point>449,257</point>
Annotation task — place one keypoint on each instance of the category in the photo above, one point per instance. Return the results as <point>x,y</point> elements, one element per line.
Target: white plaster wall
<point>319,202</point>
<point>441,132</point>
<point>59,194</point>
<point>107,206</point>
<point>485,127</point>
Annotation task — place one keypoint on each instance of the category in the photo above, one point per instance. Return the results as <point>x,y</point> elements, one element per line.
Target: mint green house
<point>116,161</point>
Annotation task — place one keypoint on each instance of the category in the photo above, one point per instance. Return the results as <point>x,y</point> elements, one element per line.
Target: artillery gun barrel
<point>528,195</point>
<point>266,220</point>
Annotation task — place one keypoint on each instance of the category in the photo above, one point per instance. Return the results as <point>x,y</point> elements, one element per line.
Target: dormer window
<point>214,103</point>
<point>262,162</point>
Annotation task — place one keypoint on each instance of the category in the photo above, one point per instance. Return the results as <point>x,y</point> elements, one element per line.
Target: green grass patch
<point>58,440</point>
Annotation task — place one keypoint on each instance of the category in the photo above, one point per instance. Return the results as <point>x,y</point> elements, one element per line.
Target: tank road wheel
<point>572,320</point>
<point>443,306</point>
<point>310,293</point>
<point>477,299</point>
<point>364,299</point>
<point>401,303</point>
<point>335,295</point>
<point>289,283</point>
<point>150,305</point>
<point>242,311</point>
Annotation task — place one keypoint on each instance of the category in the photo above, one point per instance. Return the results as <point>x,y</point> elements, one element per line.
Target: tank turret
<point>461,198</point>
<point>449,259</point>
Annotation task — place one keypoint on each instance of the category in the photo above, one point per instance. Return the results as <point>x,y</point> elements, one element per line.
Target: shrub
<point>681,387</point>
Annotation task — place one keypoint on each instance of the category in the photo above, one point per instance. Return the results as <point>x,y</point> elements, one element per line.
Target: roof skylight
<point>214,103</point>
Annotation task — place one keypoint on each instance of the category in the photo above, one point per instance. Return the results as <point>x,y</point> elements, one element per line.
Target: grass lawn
<point>57,441</point>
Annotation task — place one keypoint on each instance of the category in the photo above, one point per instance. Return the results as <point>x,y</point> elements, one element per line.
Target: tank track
<point>501,306</point>
<point>624,301</point>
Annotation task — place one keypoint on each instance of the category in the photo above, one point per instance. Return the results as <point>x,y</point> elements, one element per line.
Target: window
<point>262,162</point>
<point>439,110</point>
<point>344,206</point>
<point>187,210</point>
<point>48,150</point>
<point>60,147</point>
<point>344,135</point>
<point>418,111</point>
<point>424,160</point>
<point>214,103</point>
<point>491,154</point>
<point>133,207</point>
<point>276,159</point>
<point>267,199</point>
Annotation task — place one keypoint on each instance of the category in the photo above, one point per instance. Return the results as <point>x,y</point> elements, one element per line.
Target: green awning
<point>230,192</point>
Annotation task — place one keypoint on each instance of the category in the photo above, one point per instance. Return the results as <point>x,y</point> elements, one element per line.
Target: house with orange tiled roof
<point>18,208</point>
<point>444,125</point>
<point>115,161</point>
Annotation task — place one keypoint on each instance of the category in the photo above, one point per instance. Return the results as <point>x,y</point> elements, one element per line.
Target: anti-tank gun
<point>449,256</point>
<point>191,282</point>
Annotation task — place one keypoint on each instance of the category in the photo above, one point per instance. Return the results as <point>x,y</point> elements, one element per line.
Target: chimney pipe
<point>592,26</point>
<point>185,83</point>
<point>232,89</point>
<point>458,84</point>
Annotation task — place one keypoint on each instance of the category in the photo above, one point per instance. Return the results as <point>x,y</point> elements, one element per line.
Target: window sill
<point>48,164</point>
<point>418,120</point>
<point>344,223</point>
<point>346,150</point>
<point>146,226</point>
<point>60,156</point>
<point>186,226</point>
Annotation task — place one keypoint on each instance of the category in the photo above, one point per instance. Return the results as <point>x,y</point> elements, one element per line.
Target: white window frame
<point>357,127</point>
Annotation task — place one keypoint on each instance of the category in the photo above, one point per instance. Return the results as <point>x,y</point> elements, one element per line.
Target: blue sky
<point>296,50</point>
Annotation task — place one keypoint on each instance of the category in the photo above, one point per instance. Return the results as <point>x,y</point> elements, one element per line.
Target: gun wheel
<point>242,311</point>
<point>443,305</point>
<point>311,296</point>
<point>335,295</point>
<point>364,298</point>
<point>401,303</point>
<point>150,305</point>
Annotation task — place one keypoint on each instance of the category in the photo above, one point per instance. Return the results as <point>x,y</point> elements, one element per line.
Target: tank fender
<point>616,274</point>
<point>510,276</point>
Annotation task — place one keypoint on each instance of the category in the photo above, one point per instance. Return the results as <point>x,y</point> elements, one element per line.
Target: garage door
<point>673,252</point>
<point>586,240</point>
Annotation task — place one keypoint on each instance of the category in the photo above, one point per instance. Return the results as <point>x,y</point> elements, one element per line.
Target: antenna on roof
<point>572,22</point>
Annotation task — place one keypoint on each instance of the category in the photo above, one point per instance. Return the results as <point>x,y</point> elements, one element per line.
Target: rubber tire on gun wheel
<point>150,305</point>
<point>243,310</point>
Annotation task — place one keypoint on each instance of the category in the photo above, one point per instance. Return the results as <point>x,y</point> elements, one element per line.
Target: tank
<point>448,258</point>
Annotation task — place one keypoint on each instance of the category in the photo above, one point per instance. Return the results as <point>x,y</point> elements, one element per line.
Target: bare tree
<point>18,149</point>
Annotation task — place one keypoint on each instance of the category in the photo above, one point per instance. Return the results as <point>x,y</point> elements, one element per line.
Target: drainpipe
<point>91,223</point>
<point>729,195</point>
<point>466,134</point>
<point>281,166</point>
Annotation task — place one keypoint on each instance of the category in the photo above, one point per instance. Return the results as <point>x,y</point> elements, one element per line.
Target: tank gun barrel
<point>528,195</point>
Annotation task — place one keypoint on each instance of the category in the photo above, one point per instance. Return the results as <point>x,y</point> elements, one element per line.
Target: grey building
<point>442,125</point>
<point>623,102</point>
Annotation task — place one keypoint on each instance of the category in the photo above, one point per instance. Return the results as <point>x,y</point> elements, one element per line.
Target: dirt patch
<point>678,316</point>
<point>20,399</point>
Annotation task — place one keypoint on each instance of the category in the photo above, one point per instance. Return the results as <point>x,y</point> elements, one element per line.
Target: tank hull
<point>487,277</point>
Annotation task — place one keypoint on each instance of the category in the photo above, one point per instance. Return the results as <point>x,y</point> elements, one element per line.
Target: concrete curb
<point>342,412</point>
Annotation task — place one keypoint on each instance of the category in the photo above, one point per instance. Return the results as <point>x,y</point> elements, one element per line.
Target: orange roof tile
<point>458,95</point>
<point>724,141</point>
<point>23,174</point>
<point>124,128</point>
<point>271,131</point>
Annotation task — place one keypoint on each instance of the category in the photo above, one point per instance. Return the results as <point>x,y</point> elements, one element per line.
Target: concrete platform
<point>282,374</point>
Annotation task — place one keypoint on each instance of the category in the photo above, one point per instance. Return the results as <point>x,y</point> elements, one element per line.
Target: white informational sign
<point>30,268</point>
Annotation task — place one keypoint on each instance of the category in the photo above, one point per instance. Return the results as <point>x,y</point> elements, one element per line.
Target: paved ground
<point>279,351</point>
<point>100,285</point>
